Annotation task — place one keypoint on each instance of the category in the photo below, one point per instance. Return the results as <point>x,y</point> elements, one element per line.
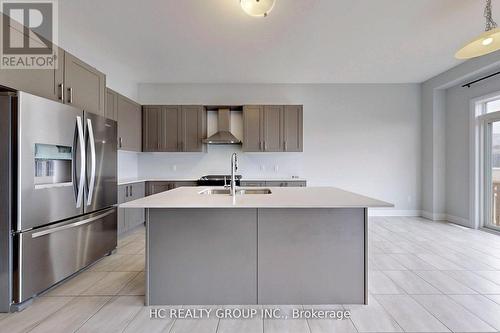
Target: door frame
<point>479,192</point>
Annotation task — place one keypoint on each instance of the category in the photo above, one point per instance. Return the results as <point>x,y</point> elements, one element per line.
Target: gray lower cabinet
<point>274,183</point>
<point>256,256</point>
<point>246,183</point>
<point>273,128</point>
<point>129,124</point>
<point>130,218</point>
<point>311,256</point>
<point>293,183</point>
<point>202,256</point>
<point>156,187</point>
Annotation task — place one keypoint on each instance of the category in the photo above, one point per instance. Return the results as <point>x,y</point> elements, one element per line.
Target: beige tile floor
<point>424,277</point>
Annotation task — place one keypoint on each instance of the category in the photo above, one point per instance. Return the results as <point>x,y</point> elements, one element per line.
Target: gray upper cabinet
<point>174,128</point>
<point>293,128</point>
<point>85,86</point>
<point>252,128</point>
<point>273,128</point>
<point>161,128</point>
<point>41,82</point>
<point>129,124</point>
<point>111,110</point>
<point>169,128</point>
<point>151,119</point>
<point>71,82</point>
<point>272,139</point>
<point>194,129</point>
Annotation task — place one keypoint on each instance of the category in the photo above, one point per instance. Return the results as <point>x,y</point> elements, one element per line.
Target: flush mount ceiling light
<point>259,8</point>
<point>485,43</point>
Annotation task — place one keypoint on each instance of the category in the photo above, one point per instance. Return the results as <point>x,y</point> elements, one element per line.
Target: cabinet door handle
<point>120,142</point>
<point>70,99</point>
<point>126,191</point>
<point>130,191</point>
<point>61,88</point>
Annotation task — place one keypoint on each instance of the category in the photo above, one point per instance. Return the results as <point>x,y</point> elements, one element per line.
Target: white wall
<point>364,138</point>
<point>445,135</point>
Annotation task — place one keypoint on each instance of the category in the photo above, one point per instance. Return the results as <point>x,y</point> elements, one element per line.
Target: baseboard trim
<point>392,212</point>
<point>424,214</point>
<point>434,216</point>
<point>458,220</point>
<point>446,217</point>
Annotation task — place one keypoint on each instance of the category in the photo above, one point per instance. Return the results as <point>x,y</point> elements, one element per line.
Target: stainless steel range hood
<point>223,135</point>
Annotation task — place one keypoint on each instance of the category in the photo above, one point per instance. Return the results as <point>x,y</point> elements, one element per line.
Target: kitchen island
<point>262,246</point>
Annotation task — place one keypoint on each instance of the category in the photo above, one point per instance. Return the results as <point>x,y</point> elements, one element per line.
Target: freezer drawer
<point>49,255</point>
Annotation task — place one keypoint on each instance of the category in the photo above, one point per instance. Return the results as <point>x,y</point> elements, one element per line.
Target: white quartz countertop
<point>281,197</point>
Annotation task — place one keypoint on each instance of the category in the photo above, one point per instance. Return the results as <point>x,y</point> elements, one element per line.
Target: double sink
<point>240,191</point>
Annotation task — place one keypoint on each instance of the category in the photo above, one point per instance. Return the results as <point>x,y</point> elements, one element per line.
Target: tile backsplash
<point>217,161</point>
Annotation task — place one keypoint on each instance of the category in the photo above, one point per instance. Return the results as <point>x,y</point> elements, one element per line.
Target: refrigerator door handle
<point>71,225</point>
<point>93,162</point>
<point>79,198</point>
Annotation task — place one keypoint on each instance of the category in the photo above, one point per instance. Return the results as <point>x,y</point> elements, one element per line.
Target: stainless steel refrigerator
<point>58,189</point>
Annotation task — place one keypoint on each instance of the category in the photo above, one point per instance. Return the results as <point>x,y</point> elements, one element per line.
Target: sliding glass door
<point>492,174</point>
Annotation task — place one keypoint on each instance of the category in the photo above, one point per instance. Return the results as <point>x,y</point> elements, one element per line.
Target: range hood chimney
<point>223,135</point>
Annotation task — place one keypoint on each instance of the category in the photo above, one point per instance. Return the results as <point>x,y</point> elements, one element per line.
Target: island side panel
<point>311,256</point>
<point>202,256</point>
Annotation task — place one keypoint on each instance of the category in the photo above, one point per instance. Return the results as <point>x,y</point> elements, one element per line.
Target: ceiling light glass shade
<point>259,8</point>
<point>487,42</point>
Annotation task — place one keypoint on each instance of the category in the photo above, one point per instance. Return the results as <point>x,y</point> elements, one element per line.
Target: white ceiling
<point>302,41</point>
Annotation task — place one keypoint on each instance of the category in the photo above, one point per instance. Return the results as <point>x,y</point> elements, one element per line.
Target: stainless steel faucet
<point>234,167</point>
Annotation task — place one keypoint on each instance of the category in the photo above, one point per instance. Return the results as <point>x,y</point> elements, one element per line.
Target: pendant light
<point>485,43</point>
<point>258,8</point>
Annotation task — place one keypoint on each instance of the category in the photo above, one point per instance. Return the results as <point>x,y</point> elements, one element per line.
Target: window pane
<point>493,106</point>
